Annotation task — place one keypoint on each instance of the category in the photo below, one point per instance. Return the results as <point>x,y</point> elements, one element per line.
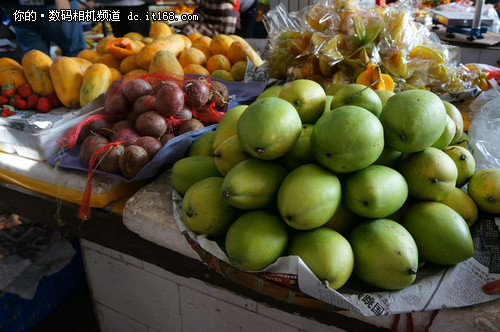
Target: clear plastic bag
<point>484,130</point>
<point>333,41</point>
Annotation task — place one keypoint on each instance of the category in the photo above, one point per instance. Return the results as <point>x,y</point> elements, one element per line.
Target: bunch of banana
<point>90,42</point>
<point>97,29</point>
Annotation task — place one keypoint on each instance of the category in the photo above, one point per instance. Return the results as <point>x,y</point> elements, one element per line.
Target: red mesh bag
<point>116,108</point>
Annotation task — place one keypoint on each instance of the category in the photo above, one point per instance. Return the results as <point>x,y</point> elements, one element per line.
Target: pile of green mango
<point>353,181</point>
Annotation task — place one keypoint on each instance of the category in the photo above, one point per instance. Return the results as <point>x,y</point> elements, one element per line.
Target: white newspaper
<point>435,287</point>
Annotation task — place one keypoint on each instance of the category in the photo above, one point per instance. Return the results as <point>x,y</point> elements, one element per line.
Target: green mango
<point>227,124</point>
<point>385,254</point>
<point>300,153</point>
<point>347,139</point>
<point>326,253</point>
<point>256,239</point>
<point>228,154</point>
<point>309,197</point>
<point>204,210</point>
<point>269,128</point>
<point>375,191</point>
<point>203,145</point>
<point>431,174</point>
<point>189,170</point>
<point>441,234</point>
<point>413,120</point>
<point>253,183</point>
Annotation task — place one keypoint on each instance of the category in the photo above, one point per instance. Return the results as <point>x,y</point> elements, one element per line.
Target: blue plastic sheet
<point>175,149</point>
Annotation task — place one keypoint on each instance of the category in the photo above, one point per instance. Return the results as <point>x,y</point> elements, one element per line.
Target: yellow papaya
<point>166,62</point>
<point>11,72</point>
<point>95,82</point>
<point>83,63</point>
<point>36,67</point>
<point>173,43</point>
<point>159,29</point>
<point>67,77</point>
<point>255,58</point>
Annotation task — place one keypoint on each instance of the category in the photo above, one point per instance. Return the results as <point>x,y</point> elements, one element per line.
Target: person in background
<point>495,4</point>
<point>216,17</point>
<point>248,17</point>
<point>129,8</point>
<point>38,33</point>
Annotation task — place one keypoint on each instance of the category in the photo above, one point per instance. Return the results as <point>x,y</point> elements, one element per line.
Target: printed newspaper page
<point>436,287</point>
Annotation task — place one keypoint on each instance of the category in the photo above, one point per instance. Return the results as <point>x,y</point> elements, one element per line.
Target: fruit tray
<point>436,287</point>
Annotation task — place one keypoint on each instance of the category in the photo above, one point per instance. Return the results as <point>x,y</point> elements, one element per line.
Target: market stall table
<point>485,50</point>
<point>143,248</point>
<point>105,237</point>
<point>158,226</point>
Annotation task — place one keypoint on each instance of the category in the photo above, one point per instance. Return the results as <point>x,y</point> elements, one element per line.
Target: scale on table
<point>472,24</point>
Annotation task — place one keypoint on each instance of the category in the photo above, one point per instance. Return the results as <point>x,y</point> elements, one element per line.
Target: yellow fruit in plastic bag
<point>426,56</point>
<point>367,26</point>
<point>397,65</point>
<point>373,78</point>
<point>321,18</point>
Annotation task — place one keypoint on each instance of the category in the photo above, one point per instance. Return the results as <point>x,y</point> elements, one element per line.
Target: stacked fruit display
<point>78,80</point>
<point>140,116</point>
<point>223,56</point>
<point>72,82</point>
<point>98,29</point>
<point>336,40</point>
<point>24,86</point>
<point>363,183</point>
<point>182,8</point>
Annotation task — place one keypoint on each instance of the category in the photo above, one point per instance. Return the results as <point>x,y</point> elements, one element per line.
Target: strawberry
<point>3,100</point>
<point>32,101</point>
<point>43,105</point>
<point>24,91</point>
<point>7,111</point>
<point>20,104</point>
<point>8,90</point>
<point>54,100</point>
<point>13,98</point>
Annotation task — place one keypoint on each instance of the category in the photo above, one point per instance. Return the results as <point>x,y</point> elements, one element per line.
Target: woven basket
<point>258,282</point>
